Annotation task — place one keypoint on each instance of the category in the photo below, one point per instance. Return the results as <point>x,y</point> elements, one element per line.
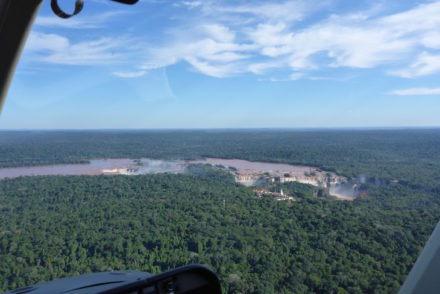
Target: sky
<point>230,64</point>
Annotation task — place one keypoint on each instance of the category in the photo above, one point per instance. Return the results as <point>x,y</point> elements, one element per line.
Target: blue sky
<point>230,64</point>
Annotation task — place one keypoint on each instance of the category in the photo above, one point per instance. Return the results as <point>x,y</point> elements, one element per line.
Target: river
<point>246,172</point>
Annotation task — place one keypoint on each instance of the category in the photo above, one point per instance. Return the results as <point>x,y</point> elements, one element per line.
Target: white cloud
<point>53,21</point>
<point>88,52</point>
<point>42,42</point>
<point>287,11</point>
<point>425,64</point>
<point>431,40</point>
<point>130,74</point>
<point>416,92</point>
<point>260,37</point>
<point>219,32</point>
<point>159,63</point>
<point>421,18</point>
<point>260,68</point>
<point>219,70</point>
<point>192,4</point>
<point>215,56</point>
<point>270,36</point>
<point>272,39</point>
<point>56,49</point>
<point>346,40</point>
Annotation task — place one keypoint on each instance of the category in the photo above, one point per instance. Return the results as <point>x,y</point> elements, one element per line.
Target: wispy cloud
<point>425,64</point>
<point>416,91</point>
<point>287,11</point>
<point>257,11</point>
<point>219,39</point>
<point>353,40</point>
<point>46,42</point>
<point>57,49</point>
<point>130,74</point>
<point>192,4</point>
<point>215,54</point>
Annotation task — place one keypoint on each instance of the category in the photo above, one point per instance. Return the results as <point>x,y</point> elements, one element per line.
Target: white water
<point>152,166</point>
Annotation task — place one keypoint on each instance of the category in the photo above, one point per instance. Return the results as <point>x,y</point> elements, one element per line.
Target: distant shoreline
<point>235,129</point>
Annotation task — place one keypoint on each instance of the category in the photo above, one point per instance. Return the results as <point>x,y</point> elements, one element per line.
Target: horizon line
<point>227,128</point>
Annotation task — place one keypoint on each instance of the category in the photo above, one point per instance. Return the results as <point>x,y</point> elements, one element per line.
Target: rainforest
<point>58,226</point>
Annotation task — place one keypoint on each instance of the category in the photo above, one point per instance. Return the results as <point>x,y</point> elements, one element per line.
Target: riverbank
<point>248,173</point>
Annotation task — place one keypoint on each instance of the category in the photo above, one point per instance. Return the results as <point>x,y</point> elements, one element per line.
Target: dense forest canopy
<point>56,226</point>
<point>59,226</point>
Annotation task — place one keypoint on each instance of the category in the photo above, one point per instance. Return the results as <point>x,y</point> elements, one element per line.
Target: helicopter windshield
<point>289,146</point>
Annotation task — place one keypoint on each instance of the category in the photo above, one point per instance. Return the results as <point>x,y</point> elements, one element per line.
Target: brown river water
<point>94,167</point>
<point>126,166</point>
